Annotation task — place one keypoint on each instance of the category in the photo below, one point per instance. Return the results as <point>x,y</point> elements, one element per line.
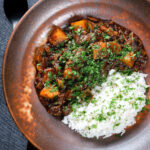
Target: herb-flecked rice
<point>114,106</point>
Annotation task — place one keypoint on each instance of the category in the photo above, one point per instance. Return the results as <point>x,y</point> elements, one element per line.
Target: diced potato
<point>84,24</point>
<point>95,54</point>
<point>115,33</point>
<point>102,44</point>
<point>68,73</point>
<point>80,24</point>
<point>98,52</point>
<point>129,59</point>
<point>116,48</point>
<point>60,83</point>
<point>49,93</point>
<point>57,36</point>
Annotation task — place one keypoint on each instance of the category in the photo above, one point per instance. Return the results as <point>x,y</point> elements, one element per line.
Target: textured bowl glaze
<point>36,124</point>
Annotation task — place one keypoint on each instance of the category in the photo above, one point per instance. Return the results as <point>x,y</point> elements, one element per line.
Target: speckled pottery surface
<point>44,131</point>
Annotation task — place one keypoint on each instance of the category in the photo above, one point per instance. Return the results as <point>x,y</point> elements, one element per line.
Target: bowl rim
<point>4,64</point>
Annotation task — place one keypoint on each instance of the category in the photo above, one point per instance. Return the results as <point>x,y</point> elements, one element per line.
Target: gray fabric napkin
<point>10,137</point>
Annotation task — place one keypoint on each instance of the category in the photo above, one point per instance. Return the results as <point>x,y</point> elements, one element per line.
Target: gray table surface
<point>10,137</point>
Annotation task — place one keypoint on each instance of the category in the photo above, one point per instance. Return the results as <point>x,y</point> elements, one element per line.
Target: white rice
<point>114,107</point>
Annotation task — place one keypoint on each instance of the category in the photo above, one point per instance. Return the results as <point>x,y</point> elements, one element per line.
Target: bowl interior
<point>18,71</point>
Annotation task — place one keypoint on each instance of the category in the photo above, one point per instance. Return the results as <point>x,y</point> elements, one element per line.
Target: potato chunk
<point>116,48</point>
<point>80,24</point>
<point>129,59</point>
<point>57,36</point>
<point>49,92</point>
<point>84,24</point>
<point>99,49</point>
<point>68,73</point>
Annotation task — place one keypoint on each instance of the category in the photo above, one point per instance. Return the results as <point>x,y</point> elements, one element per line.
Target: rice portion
<point>114,106</point>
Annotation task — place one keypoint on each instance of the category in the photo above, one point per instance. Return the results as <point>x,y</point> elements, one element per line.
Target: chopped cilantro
<point>79,31</point>
<point>100,117</point>
<point>50,75</point>
<point>138,53</point>
<point>96,46</point>
<point>147,101</point>
<point>93,101</point>
<point>46,84</point>
<point>121,36</point>
<point>106,36</point>
<point>116,125</point>
<point>94,126</point>
<point>38,64</point>
<point>144,109</point>
<point>72,27</point>
<point>118,135</point>
<point>136,106</point>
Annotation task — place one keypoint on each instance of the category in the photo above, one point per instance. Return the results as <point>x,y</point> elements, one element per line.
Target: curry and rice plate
<point>89,75</point>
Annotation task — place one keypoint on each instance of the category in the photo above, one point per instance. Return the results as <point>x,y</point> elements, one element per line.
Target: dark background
<point>10,137</point>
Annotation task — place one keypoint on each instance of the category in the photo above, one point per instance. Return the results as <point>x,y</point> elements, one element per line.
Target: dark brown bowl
<point>35,123</point>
